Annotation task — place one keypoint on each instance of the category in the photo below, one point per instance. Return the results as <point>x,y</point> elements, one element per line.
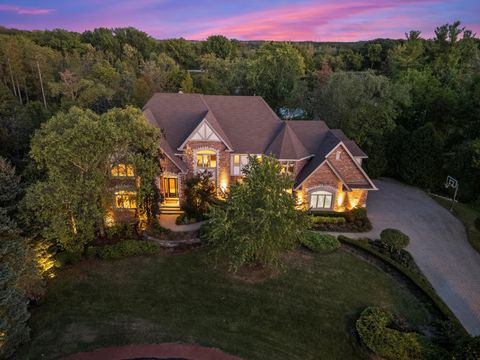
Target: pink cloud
<point>311,21</point>
<point>22,10</point>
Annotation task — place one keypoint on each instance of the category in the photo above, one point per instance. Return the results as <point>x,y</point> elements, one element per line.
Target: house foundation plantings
<point>355,220</point>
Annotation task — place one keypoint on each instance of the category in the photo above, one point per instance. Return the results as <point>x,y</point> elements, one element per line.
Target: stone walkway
<point>438,243</point>
<point>168,222</point>
<point>155,351</point>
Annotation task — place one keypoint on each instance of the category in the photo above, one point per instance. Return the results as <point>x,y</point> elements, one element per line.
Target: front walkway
<point>168,221</point>
<point>438,243</point>
<point>155,351</point>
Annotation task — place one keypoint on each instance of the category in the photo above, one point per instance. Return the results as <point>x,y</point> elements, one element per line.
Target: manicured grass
<point>467,215</point>
<point>306,312</point>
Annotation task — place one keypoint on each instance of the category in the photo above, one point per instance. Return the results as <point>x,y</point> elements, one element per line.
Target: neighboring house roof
<point>247,125</point>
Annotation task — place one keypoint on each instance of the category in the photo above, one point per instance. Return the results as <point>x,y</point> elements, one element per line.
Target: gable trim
<point>336,172</point>
<point>197,128</point>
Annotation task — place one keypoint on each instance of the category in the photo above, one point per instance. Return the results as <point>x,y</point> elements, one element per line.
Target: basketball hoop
<point>452,183</point>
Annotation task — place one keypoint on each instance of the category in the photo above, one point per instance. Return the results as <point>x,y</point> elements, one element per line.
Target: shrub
<point>121,232</point>
<point>380,333</point>
<point>328,220</point>
<point>469,349</point>
<point>185,219</point>
<point>65,258</point>
<point>200,195</point>
<point>394,238</point>
<point>321,243</point>
<point>125,248</point>
<point>358,213</point>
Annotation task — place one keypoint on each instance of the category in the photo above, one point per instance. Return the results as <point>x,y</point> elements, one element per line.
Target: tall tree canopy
<point>77,150</point>
<point>276,72</point>
<point>258,221</point>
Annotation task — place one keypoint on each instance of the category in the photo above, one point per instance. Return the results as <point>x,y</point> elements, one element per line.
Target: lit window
<point>287,167</point>
<point>125,199</point>
<point>321,200</point>
<point>206,159</point>
<point>123,170</point>
<point>238,162</point>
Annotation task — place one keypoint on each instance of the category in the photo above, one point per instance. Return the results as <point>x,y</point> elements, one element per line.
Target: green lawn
<point>467,215</point>
<point>307,312</point>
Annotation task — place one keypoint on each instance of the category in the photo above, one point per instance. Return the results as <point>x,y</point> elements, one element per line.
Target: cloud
<point>315,21</point>
<point>22,10</point>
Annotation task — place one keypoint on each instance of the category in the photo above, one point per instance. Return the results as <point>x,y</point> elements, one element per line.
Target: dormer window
<point>122,170</point>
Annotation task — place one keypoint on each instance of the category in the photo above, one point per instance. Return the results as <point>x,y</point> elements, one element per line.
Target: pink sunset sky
<point>346,20</point>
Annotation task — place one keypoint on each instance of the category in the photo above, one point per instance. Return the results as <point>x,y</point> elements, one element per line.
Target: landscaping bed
<point>308,309</point>
<point>355,220</point>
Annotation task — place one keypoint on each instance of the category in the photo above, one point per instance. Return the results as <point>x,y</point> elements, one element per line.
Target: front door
<point>170,185</point>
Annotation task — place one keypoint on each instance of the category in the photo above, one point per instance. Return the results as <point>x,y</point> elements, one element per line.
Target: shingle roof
<point>286,145</point>
<point>247,125</point>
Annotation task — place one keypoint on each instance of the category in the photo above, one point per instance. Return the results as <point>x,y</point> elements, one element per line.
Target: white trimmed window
<point>287,167</point>
<point>321,200</point>
<point>206,159</point>
<point>238,162</point>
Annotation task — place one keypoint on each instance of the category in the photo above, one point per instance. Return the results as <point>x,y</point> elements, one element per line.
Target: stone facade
<point>323,178</point>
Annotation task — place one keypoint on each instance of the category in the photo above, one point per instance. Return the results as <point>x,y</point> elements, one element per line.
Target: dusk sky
<point>345,20</point>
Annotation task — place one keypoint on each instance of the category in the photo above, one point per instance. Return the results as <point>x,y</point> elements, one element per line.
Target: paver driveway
<point>438,243</point>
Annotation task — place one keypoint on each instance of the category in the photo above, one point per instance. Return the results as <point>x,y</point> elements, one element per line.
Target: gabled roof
<point>246,125</point>
<point>286,145</point>
<point>212,124</point>
<point>321,158</point>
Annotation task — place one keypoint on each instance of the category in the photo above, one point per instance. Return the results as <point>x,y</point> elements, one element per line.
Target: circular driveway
<point>438,243</point>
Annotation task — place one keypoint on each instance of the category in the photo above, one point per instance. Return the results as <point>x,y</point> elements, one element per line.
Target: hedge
<point>376,328</point>
<point>420,281</point>
<point>328,220</point>
<point>123,249</point>
<point>321,243</point>
<point>394,238</point>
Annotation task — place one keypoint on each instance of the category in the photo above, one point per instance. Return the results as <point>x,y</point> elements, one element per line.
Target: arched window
<point>321,200</point>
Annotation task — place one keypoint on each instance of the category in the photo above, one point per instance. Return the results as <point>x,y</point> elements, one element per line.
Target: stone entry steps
<point>170,209</point>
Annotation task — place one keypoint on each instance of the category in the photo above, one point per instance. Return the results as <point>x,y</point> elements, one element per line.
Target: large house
<point>217,133</point>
